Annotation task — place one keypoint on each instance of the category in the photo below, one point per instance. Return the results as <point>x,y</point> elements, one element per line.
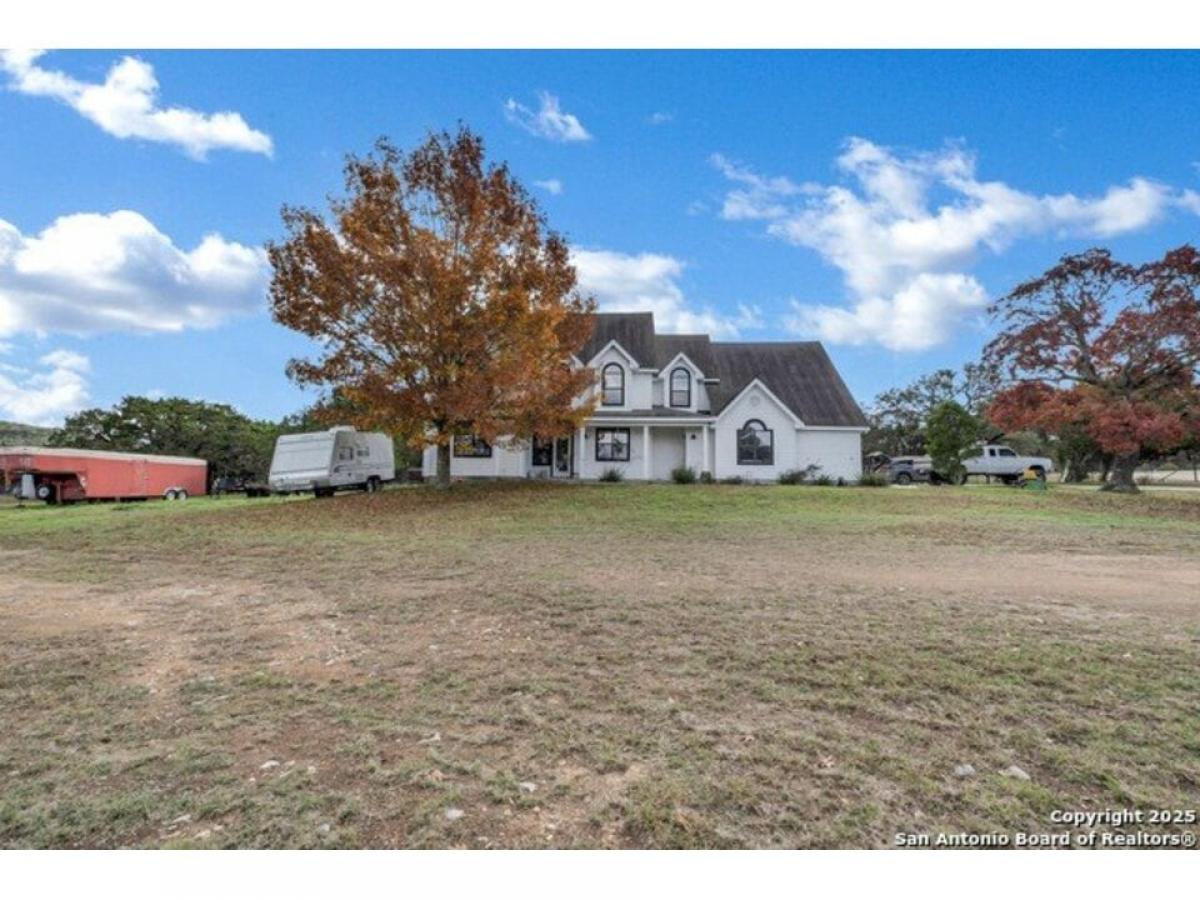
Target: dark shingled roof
<point>696,347</point>
<point>633,331</point>
<point>798,373</point>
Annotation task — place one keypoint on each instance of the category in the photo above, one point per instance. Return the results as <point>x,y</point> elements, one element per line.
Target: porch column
<point>646,452</point>
<point>578,454</point>
<point>704,447</point>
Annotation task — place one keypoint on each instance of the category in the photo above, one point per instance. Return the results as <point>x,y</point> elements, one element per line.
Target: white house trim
<point>766,390</point>
<point>615,345</point>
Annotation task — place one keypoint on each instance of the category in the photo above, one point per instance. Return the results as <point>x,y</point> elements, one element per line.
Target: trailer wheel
<point>372,485</point>
<point>170,494</point>
<point>181,494</point>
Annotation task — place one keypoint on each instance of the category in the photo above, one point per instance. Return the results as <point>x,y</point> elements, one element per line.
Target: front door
<point>563,462</point>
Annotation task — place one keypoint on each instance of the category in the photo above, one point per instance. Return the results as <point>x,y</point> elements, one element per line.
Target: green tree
<point>952,435</point>
<point>899,417</point>
<point>233,443</point>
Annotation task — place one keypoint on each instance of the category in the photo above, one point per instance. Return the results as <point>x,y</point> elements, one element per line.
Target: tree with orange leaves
<point>1107,350</point>
<point>442,303</point>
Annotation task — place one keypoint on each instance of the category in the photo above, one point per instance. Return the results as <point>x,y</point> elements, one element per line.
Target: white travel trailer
<point>327,461</point>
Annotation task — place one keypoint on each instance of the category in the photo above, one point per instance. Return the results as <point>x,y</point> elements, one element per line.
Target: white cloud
<point>90,272</point>
<point>903,253</point>
<point>125,105</point>
<point>660,118</point>
<point>47,395</point>
<point>549,121</point>
<point>550,186</point>
<point>1190,200</point>
<point>648,282</point>
<point>922,314</point>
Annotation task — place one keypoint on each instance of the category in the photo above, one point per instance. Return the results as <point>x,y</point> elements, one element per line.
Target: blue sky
<point>874,201</point>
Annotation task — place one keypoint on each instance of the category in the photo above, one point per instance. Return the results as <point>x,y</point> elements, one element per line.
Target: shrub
<point>707,478</point>
<point>733,479</point>
<point>683,475</point>
<point>872,479</point>
<point>823,481</point>
<point>612,474</point>
<point>801,476</point>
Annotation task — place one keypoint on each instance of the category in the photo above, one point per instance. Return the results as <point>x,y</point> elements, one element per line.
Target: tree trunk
<point>1120,478</point>
<point>443,465</point>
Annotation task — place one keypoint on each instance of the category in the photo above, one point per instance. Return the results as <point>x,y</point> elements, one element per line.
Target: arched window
<point>612,382</point>
<point>756,444</point>
<point>681,387</point>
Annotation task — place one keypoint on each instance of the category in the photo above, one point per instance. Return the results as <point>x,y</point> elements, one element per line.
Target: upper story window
<point>681,387</point>
<point>612,384</point>
<point>468,446</point>
<point>755,444</point>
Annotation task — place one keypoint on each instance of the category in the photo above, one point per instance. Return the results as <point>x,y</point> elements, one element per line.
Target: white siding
<point>505,462</point>
<point>667,451</point>
<point>694,450</point>
<point>639,393</point>
<point>754,403</point>
<point>591,468</point>
<point>838,453</point>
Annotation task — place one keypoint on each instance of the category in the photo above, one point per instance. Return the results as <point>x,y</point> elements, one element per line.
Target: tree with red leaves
<point>1106,349</point>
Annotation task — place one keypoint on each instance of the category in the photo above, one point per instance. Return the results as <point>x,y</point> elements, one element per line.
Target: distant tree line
<point>234,444</point>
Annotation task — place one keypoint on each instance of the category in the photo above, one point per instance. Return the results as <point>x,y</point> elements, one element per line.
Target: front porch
<point>643,448</point>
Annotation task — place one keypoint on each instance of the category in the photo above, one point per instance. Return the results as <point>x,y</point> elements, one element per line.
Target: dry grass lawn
<point>594,666</point>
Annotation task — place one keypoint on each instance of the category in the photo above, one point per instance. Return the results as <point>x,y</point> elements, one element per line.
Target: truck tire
<point>372,485</point>
<point>1039,472</point>
<point>904,478</point>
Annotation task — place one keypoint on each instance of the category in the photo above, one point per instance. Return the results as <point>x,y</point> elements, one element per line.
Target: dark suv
<point>909,469</point>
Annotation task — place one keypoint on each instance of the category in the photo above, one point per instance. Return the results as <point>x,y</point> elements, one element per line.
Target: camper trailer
<point>328,461</point>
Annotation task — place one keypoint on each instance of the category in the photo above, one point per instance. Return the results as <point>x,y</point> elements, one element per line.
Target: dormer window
<point>681,387</point>
<point>612,384</point>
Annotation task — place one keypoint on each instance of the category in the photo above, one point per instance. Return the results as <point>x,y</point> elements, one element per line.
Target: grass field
<point>534,665</point>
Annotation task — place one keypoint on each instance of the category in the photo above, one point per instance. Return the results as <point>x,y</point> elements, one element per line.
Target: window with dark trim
<point>543,452</point>
<point>681,387</point>
<point>612,445</point>
<point>755,444</point>
<point>471,446</point>
<point>612,383</point>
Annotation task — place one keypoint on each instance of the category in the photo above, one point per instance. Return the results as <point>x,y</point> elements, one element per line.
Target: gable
<point>799,374</point>
<point>634,332</point>
<point>753,401</point>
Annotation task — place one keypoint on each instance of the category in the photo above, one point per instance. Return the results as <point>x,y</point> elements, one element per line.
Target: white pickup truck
<point>998,461</point>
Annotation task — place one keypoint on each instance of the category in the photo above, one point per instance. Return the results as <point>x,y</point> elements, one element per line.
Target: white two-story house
<point>752,410</point>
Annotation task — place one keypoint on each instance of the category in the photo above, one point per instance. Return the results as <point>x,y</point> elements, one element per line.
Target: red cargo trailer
<point>61,475</point>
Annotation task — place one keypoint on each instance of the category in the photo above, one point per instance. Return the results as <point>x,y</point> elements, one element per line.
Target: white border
<point>529,24</point>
